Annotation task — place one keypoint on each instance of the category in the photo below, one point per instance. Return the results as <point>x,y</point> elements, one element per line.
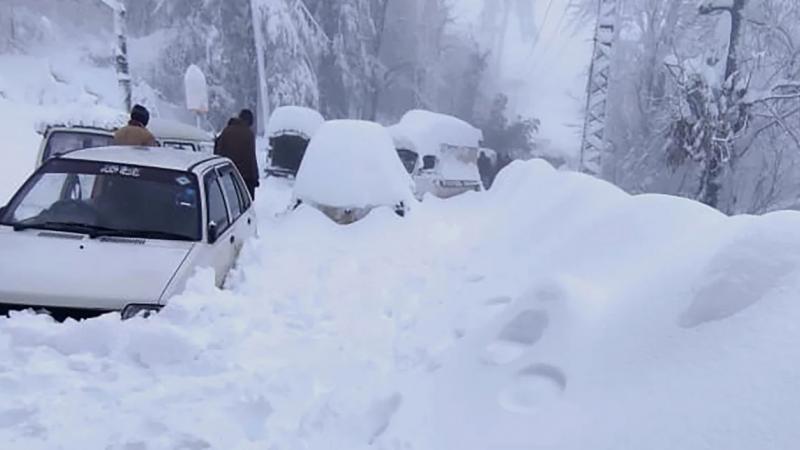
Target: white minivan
<point>58,138</point>
<point>120,229</point>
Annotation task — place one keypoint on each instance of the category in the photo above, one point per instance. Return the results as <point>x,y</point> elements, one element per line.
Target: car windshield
<point>409,159</point>
<point>60,142</point>
<point>108,199</point>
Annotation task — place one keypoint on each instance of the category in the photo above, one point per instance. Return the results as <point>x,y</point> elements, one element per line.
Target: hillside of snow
<point>553,311</point>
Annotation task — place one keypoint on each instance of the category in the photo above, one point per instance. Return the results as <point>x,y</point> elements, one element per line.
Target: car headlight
<point>135,309</point>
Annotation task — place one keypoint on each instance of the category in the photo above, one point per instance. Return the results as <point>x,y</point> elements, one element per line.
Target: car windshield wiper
<point>142,234</point>
<point>69,227</point>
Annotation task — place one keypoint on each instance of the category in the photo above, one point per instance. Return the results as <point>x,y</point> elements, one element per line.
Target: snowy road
<point>553,312</point>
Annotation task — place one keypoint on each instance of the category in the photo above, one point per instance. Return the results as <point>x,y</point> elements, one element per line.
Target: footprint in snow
<point>13,417</point>
<point>475,278</point>
<point>516,337</point>
<point>532,387</point>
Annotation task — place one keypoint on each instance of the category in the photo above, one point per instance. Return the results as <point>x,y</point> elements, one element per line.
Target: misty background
<point>515,68</point>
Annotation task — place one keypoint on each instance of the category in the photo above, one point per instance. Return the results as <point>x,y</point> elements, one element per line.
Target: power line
<point>544,24</point>
<point>553,35</point>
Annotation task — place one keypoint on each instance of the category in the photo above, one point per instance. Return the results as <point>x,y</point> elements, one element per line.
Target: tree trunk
<point>732,63</point>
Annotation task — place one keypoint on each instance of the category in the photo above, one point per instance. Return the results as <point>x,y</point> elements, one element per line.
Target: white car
<point>350,168</point>
<point>120,229</point>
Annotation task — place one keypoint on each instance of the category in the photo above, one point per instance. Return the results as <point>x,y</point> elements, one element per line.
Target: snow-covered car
<point>289,131</point>
<point>120,229</point>
<point>440,152</point>
<point>351,168</point>
<point>63,136</point>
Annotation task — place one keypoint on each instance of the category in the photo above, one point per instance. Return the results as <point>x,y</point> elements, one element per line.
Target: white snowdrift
<point>294,120</point>
<point>553,311</point>
<point>354,164</point>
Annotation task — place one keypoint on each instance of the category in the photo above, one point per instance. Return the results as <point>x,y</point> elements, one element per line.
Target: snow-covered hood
<point>70,270</point>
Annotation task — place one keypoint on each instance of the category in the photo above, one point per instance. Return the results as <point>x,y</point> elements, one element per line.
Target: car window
<point>52,188</point>
<point>231,193</point>
<point>217,210</point>
<point>242,195</point>
<point>245,193</point>
<point>60,142</point>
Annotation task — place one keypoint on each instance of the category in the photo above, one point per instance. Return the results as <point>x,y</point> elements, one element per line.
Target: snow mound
<point>352,164</point>
<point>427,131</point>
<point>553,311</point>
<point>294,120</point>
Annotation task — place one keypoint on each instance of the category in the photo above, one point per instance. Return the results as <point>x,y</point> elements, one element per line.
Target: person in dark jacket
<point>136,132</point>
<point>238,143</point>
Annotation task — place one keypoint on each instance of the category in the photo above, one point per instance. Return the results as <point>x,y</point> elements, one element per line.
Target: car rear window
<point>60,142</point>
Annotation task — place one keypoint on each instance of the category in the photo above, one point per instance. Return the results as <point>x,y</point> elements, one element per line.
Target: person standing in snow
<point>136,132</point>
<point>238,143</point>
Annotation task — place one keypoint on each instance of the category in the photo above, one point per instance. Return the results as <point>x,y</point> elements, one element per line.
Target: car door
<point>247,227</point>
<point>222,246</point>
<point>239,223</point>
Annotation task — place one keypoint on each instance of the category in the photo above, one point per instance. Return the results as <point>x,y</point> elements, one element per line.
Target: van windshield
<point>108,199</point>
<point>60,142</point>
<point>409,159</point>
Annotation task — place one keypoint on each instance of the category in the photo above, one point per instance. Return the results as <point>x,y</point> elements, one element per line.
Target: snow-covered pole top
<point>196,87</point>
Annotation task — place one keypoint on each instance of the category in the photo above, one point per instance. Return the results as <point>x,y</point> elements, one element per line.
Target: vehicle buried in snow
<point>440,152</point>
<point>120,229</point>
<point>290,130</point>
<point>351,168</point>
<point>64,135</point>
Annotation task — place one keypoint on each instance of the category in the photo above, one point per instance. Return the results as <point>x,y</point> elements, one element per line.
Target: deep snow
<point>553,311</point>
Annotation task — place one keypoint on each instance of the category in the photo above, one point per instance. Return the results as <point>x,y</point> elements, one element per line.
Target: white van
<point>61,137</point>
<point>440,152</point>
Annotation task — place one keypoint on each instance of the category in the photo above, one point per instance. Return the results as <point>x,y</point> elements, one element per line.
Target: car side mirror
<point>213,232</point>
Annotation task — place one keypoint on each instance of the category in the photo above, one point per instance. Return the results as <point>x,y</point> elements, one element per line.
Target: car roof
<point>170,129</point>
<point>162,129</point>
<point>161,157</point>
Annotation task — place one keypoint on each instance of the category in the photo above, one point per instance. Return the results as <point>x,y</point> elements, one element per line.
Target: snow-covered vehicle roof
<point>428,131</point>
<point>143,156</point>
<point>110,120</point>
<point>352,164</point>
<point>294,120</point>
<point>98,117</point>
<point>171,129</point>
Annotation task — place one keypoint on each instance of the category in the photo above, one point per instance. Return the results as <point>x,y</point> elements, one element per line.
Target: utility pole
<point>595,144</point>
<point>121,52</point>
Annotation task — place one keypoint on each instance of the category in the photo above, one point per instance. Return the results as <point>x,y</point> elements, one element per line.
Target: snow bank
<point>352,164</point>
<point>47,90</point>
<point>295,120</point>
<point>553,311</point>
<point>428,131</point>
